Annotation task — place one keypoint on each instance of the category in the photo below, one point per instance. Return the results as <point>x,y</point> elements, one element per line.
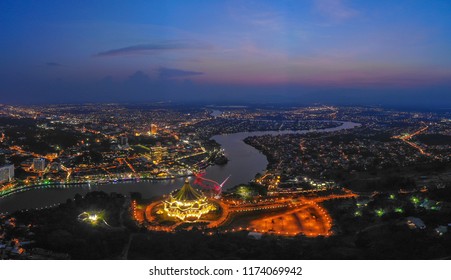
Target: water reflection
<point>244,163</point>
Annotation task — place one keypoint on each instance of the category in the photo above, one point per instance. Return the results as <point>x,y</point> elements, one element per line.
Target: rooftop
<point>187,193</point>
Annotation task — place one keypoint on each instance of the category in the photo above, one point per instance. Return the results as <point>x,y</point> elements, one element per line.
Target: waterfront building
<point>187,203</point>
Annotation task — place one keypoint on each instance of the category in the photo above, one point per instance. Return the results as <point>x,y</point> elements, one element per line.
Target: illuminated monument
<point>187,203</point>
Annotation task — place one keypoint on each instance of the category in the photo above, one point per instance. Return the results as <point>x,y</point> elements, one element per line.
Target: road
<point>406,139</point>
<point>301,216</point>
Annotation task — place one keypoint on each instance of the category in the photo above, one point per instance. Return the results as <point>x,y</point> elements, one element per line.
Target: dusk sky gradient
<point>335,51</point>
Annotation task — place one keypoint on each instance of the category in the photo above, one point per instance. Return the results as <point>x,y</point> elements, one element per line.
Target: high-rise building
<point>123,141</point>
<point>153,129</point>
<point>6,173</point>
<point>39,164</point>
<point>159,153</point>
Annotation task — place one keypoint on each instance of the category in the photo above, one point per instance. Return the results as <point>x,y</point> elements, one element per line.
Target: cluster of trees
<point>59,230</point>
<point>381,183</point>
<point>389,241</point>
<point>366,236</point>
<point>434,139</point>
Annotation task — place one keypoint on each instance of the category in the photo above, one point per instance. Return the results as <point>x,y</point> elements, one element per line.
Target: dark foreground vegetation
<point>370,228</point>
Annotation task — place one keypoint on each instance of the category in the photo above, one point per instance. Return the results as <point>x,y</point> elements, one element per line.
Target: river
<point>244,162</point>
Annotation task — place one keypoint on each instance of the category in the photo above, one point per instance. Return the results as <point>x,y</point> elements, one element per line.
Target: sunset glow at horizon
<point>65,51</point>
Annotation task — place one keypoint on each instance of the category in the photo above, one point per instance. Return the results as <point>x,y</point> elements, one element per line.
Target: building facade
<point>39,164</point>
<point>187,203</point>
<point>6,173</point>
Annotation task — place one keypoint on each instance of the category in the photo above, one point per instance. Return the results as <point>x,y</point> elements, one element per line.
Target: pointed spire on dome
<point>187,193</point>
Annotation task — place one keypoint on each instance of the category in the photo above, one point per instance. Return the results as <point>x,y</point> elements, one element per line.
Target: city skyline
<point>332,51</point>
<point>325,182</point>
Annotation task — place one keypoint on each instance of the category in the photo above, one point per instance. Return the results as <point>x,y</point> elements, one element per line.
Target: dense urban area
<point>380,189</point>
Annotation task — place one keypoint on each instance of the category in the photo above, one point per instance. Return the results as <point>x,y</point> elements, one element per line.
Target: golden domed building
<point>187,203</point>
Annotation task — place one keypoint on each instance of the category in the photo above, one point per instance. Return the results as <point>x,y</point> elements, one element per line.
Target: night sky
<point>332,51</point>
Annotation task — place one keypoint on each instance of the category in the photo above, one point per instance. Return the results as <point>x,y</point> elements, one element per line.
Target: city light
<point>380,212</point>
<point>92,218</point>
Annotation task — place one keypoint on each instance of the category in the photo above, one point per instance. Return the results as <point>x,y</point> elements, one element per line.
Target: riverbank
<point>244,163</point>
<point>18,189</point>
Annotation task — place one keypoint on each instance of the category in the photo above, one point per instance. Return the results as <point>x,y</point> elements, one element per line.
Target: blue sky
<point>305,50</point>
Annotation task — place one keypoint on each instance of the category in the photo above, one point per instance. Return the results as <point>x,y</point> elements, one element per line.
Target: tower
<point>153,129</point>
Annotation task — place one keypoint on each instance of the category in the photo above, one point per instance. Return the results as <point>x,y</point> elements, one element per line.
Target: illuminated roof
<point>187,204</point>
<point>187,193</point>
